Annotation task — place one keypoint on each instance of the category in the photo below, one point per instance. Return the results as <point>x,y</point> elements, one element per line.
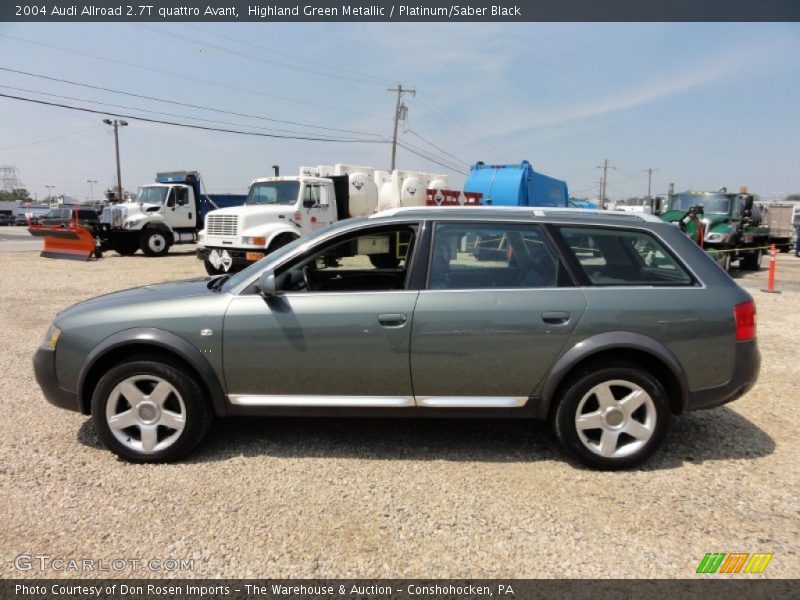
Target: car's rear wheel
<point>147,411</point>
<point>614,416</point>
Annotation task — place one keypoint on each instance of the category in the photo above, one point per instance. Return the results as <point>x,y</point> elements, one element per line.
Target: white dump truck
<point>280,209</point>
<point>167,212</point>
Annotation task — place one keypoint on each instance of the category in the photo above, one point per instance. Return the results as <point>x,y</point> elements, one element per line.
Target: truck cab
<point>277,211</point>
<point>167,212</point>
<point>728,226</point>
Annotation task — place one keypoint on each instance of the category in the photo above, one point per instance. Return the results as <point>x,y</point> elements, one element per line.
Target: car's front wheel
<point>148,411</point>
<point>613,416</point>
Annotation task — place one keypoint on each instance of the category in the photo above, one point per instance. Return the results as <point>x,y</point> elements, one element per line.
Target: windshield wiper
<point>216,284</point>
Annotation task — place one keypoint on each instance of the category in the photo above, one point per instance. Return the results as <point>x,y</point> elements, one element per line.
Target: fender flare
<point>611,340</point>
<point>157,338</point>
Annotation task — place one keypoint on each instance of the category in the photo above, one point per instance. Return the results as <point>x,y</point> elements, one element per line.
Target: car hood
<point>157,292</point>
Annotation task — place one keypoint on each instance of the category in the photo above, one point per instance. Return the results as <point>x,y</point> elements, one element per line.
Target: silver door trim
<point>471,401</point>
<point>316,401</point>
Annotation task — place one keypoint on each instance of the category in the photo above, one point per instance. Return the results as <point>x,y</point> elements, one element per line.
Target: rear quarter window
<point>610,257</point>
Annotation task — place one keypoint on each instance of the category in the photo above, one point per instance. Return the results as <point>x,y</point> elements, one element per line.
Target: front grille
<point>222,224</point>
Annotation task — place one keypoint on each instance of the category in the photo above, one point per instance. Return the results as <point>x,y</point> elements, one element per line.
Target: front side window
<point>622,257</point>
<point>502,255</point>
<point>311,196</point>
<point>273,192</point>
<point>372,260</point>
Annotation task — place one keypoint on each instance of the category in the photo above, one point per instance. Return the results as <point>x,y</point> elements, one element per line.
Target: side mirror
<point>266,284</point>
<point>323,199</point>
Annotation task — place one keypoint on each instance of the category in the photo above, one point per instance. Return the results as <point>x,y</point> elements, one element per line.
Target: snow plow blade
<point>74,242</point>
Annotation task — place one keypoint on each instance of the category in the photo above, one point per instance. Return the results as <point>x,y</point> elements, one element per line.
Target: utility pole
<point>605,166</point>
<point>649,181</point>
<point>116,125</point>
<point>50,189</point>
<point>91,183</point>
<point>398,109</point>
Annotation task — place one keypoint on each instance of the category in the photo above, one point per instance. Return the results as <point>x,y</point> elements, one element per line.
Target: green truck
<point>730,227</point>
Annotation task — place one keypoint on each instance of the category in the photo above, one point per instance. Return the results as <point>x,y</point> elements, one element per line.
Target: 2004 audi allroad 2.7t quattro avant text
<point>607,324</point>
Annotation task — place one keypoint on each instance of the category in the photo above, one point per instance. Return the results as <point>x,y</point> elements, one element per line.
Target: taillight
<point>745,317</point>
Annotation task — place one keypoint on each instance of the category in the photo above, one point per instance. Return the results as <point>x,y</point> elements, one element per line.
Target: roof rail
<point>538,211</point>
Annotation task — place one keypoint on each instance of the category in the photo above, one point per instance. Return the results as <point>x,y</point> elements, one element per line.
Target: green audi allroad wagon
<point>607,324</point>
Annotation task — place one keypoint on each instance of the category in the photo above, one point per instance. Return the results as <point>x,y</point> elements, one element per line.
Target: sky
<point>706,105</point>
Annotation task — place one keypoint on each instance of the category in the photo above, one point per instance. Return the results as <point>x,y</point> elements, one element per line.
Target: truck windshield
<point>712,203</point>
<point>273,192</point>
<point>152,195</point>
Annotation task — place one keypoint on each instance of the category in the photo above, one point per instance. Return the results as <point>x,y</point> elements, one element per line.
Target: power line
<point>206,44</point>
<point>155,112</point>
<point>430,143</point>
<point>190,126</point>
<point>440,160</point>
<point>188,77</point>
<point>367,78</point>
<point>50,139</point>
<point>468,135</point>
<point>422,154</point>
<point>185,104</point>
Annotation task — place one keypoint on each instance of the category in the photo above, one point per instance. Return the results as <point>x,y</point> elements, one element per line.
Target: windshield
<point>273,192</point>
<point>152,195</point>
<point>712,203</point>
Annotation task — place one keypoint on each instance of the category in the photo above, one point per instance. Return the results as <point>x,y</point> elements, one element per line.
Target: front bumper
<point>44,368</point>
<point>239,259</point>
<point>747,363</point>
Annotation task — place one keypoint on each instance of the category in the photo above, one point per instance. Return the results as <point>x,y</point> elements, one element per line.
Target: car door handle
<point>392,319</point>
<point>556,318</point>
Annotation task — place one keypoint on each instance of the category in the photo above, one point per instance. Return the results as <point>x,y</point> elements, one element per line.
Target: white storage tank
<point>363,190</point>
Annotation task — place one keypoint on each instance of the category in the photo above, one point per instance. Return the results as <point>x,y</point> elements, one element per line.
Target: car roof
<point>545,214</point>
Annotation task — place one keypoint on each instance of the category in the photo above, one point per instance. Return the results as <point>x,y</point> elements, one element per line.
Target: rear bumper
<point>238,258</point>
<point>747,364</point>
<point>44,369</point>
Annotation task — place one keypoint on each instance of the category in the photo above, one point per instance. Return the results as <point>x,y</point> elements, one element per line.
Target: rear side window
<point>623,257</point>
<point>486,255</point>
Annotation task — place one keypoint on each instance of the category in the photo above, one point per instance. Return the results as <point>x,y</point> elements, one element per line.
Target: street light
<point>91,183</point>
<point>116,124</point>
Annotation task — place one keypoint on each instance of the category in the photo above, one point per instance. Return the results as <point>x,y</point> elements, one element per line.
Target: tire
<point>155,242</point>
<point>142,429</point>
<point>126,248</point>
<point>724,261</point>
<point>280,242</point>
<point>211,269</point>
<point>622,439</point>
<point>751,261</point>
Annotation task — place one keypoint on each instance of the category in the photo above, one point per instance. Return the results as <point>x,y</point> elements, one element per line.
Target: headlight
<point>51,337</point>
<point>127,224</point>
<point>714,237</point>
<point>254,241</point>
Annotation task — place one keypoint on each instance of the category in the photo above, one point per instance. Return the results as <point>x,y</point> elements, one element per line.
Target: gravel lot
<point>383,498</point>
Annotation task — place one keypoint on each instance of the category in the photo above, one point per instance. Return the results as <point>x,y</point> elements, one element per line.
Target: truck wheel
<point>614,416</point>
<point>724,261</point>
<point>751,261</point>
<point>211,269</point>
<point>154,242</point>
<point>126,248</point>
<point>280,242</point>
<point>150,411</point>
